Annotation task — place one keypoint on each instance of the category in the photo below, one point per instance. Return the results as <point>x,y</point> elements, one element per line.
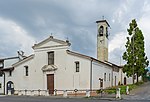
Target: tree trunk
<point>133,78</point>
<point>137,76</point>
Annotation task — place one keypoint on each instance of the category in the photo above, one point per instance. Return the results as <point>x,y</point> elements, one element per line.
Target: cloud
<point>117,47</point>
<point>35,20</point>
<point>120,22</point>
<point>117,42</point>
<point>13,39</point>
<point>144,26</point>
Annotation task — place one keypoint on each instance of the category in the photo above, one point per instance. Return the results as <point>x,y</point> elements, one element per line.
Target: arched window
<point>104,76</point>
<point>106,32</point>
<point>101,30</point>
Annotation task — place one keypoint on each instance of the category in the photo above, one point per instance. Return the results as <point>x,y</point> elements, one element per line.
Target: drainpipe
<point>91,75</point>
<point>4,82</point>
<point>112,76</point>
<point>121,76</point>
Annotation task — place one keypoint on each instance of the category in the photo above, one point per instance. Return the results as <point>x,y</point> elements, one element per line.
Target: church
<point>53,66</point>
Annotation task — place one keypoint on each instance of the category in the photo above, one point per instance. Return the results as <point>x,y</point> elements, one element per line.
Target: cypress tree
<point>135,57</point>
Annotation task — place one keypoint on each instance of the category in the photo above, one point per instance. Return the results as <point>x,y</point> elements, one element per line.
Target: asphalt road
<point>141,93</point>
<point>49,99</point>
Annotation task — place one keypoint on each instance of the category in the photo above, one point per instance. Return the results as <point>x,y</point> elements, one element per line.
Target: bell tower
<point>102,40</point>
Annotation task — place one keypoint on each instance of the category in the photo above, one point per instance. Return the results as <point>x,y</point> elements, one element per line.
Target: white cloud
<point>117,42</point>
<point>118,15</point>
<point>69,18</point>
<point>12,35</point>
<point>144,23</point>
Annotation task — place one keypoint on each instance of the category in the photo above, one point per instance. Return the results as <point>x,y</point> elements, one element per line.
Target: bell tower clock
<point>102,40</point>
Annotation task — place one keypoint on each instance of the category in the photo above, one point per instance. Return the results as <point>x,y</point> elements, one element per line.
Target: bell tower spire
<point>102,40</point>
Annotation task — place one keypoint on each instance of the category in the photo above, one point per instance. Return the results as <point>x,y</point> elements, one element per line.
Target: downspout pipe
<point>4,82</point>
<point>112,76</point>
<point>91,75</point>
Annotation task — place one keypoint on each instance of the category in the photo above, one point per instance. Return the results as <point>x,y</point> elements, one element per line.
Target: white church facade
<point>53,66</point>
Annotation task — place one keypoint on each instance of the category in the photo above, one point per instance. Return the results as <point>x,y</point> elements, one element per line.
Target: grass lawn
<point>122,88</point>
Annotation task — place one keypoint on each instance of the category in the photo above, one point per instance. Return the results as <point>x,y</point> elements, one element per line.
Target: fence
<point>70,93</point>
<point>32,92</point>
<point>55,92</point>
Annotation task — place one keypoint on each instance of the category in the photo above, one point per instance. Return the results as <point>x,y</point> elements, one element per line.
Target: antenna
<point>103,17</point>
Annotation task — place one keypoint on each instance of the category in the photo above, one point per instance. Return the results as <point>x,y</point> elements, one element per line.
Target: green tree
<point>135,57</point>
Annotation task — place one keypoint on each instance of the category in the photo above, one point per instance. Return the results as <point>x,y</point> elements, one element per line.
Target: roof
<point>51,38</point>
<point>23,60</point>
<point>8,58</point>
<point>78,54</point>
<point>103,21</point>
<point>114,64</point>
<point>7,69</point>
<point>86,57</point>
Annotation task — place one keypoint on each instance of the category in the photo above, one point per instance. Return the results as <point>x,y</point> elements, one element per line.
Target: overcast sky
<point>26,22</point>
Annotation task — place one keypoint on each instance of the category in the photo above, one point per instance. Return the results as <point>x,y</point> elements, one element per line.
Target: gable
<point>51,42</point>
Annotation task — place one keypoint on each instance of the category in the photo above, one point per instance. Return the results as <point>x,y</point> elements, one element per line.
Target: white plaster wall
<point>37,79</point>
<point>115,83</point>
<point>2,84</point>
<point>98,72</point>
<point>77,80</point>
<point>22,82</point>
<point>65,77</point>
<point>8,63</point>
<point>60,73</point>
<point>49,43</point>
<point>122,75</point>
<point>129,79</point>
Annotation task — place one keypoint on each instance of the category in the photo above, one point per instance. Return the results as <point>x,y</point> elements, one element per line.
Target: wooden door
<point>10,87</point>
<point>115,80</point>
<point>50,83</point>
<point>125,81</point>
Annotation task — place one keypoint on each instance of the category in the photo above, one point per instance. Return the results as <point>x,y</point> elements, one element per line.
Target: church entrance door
<point>50,83</point>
